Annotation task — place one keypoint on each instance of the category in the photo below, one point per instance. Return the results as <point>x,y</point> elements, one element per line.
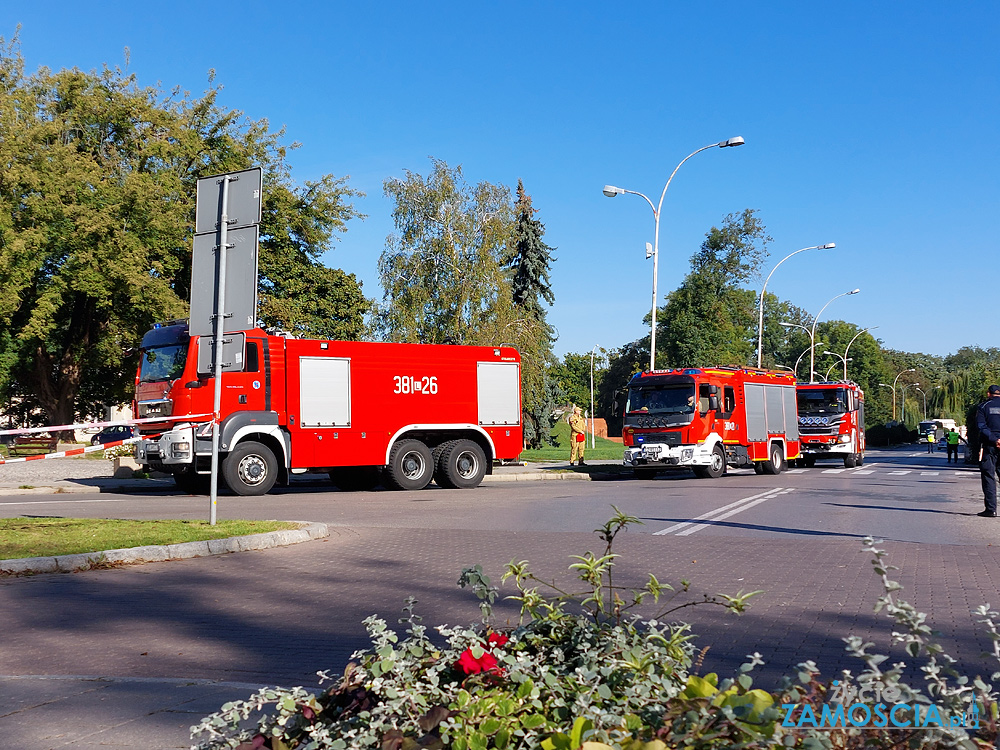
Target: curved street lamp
<point>760,315</point>
<point>812,357</point>
<point>893,386</point>
<point>916,386</point>
<point>611,191</point>
<point>845,360</point>
<point>870,328</point>
<point>801,356</point>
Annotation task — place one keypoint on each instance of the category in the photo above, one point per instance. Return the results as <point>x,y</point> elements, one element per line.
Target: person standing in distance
<point>952,438</point>
<point>577,436</point>
<point>988,422</point>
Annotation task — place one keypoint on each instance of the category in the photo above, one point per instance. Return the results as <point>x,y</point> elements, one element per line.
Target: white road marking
<point>899,473</point>
<point>864,472</point>
<point>834,471</point>
<point>711,513</point>
<point>797,471</point>
<point>733,512</point>
<point>929,473</point>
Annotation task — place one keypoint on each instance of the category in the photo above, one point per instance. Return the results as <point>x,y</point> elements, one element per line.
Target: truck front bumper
<point>173,448</point>
<point>660,455</point>
<point>825,445</point>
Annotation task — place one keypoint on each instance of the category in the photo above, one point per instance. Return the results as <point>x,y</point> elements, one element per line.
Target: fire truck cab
<point>707,419</point>
<point>832,422</point>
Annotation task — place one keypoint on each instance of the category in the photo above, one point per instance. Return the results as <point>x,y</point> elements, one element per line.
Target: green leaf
<point>532,721</point>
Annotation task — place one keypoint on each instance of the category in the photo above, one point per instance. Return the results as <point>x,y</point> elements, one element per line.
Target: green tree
<point>710,320</point>
<point>96,219</point>
<point>623,362</point>
<point>528,265</point>
<point>442,272</point>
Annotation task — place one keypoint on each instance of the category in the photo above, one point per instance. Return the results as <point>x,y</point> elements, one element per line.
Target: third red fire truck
<point>400,414</point>
<point>707,419</point>
<point>832,422</point>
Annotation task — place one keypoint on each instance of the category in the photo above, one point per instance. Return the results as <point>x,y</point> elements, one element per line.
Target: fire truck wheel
<point>776,463</point>
<point>758,467</point>
<point>715,469</point>
<point>411,465</point>
<point>250,469</point>
<point>861,458</point>
<point>462,465</point>
<point>850,460</point>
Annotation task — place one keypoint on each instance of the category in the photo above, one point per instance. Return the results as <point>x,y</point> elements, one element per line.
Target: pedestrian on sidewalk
<point>988,422</point>
<point>952,438</point>
<point>577,436</point>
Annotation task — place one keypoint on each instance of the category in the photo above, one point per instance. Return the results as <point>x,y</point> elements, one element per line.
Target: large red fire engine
<point>402,414</point>
<point>707,419</point>
<point>832,422</point>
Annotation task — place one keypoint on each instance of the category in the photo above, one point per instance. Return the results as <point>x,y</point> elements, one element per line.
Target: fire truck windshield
<point>665,399</point>
<point>822,400</point>
<point>162,363</point>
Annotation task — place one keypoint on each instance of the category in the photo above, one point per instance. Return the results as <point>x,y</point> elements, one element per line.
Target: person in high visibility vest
<point>931,439</point>
<point>952,437</point>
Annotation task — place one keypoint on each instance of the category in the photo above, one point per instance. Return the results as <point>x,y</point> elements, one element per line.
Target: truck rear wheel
<point>250,469</point>
<point>776,462</point>
<point>411,465</point>
<point>462,465</point>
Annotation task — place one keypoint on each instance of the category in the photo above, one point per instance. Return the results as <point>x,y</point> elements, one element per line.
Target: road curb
<point>162,553</point>
<point>534,476</point>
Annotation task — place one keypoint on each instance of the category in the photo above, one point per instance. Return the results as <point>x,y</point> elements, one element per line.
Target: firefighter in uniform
<point>577,436</point>
<point>988,422</point>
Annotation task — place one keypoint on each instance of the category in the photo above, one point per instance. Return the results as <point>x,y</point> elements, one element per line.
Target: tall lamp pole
<point>760,315</point>
<point>893,386</point>
<point>800,359</point>
<point>845,360</point>
<point>593,436</point>
<point>812,357</point>
<point>611,191</point>
<point>870,328</point>
<point>916,385</point>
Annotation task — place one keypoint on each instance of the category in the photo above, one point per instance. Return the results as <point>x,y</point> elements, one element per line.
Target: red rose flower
<point>497,639</point>
<point>471,665</point>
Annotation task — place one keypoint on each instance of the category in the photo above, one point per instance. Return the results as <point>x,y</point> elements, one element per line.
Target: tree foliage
<point>710,319</point>
<point>96,218</point>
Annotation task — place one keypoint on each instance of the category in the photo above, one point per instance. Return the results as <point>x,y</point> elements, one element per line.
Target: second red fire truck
<point>832,422</point>
<point>400,414</point>
<point>706,419</point>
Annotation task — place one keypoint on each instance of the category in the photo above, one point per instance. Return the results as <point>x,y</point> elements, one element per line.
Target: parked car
<point>113,434</point>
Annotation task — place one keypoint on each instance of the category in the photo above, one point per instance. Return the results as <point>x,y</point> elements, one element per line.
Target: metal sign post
<point>240,198</point>
<point>220,307</point>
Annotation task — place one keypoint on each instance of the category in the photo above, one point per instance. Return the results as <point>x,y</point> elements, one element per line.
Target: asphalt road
<point>278,615</point>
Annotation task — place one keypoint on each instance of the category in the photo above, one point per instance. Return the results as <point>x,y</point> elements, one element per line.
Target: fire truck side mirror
<point>193,384</point>
<point>713,403</point>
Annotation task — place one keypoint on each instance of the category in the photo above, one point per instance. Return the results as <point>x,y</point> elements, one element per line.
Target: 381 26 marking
<point>417,385</point>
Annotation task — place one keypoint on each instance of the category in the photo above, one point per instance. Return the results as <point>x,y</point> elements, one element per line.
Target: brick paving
<point>279,615</point>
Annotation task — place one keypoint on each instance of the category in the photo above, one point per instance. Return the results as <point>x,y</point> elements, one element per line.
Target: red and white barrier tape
<point>84,425</point>
<point>70,452</point>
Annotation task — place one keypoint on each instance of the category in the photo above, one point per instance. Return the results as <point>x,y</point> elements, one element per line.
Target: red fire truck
<point>706,419</point>
<point>832,422</point>
<point>399,414</point>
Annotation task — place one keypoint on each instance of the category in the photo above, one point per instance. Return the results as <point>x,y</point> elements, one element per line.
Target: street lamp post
<point>760,315</point>
<point>593,436</point>
<point>902,400</point>
<point>870,328</point>
<point>800,359</point>
<point>893,386</point>
<point>845,360</point>
<point>925,400</point>
<point>812,357</point>
<point>611,191</point>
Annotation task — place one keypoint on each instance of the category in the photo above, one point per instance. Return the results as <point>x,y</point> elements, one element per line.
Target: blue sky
<point>872,125</point>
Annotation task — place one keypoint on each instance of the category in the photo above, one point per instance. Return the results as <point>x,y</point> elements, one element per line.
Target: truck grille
<point>158,408</point>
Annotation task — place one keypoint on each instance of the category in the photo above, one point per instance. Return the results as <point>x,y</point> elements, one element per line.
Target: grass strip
<point>606,449</point>
<point>49,537</point>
